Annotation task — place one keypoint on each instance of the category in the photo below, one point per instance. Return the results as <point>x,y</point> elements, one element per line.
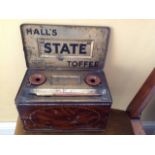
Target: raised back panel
<point>65,47</point>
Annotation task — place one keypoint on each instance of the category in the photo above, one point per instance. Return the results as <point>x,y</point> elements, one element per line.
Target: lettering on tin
<point>83,64</point>
<point>65,48</point>
<point>41,32</point>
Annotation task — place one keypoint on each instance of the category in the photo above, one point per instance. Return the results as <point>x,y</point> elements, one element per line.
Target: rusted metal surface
<point>58,85</point>
<point>66,47</point>
<point>93,80</point>
<point>64,88</point>
<point>67,92</point>
<point>37,79</point>
<point>65,63</point>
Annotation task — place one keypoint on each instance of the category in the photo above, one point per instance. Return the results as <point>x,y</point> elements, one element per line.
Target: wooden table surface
<point>118,124</point>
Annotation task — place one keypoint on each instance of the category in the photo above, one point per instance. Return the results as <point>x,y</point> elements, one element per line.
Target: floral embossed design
<point>65,118</point>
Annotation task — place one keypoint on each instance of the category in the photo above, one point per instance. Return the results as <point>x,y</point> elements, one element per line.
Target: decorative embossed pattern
<point>65,118</point>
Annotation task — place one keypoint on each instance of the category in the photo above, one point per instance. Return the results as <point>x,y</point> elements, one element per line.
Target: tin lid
<point>65,47</point>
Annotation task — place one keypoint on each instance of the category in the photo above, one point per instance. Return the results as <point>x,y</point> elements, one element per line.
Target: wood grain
<point>137,127</point>
<point>143,97</point>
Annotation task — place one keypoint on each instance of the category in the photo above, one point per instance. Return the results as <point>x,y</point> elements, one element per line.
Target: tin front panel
<point>65,47</point>
<point>64,118</point>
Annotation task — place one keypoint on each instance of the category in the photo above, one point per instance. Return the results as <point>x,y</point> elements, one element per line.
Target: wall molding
<point>7,128</point>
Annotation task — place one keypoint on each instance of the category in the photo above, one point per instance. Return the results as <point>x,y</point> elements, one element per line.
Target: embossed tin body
<point>72,93</point>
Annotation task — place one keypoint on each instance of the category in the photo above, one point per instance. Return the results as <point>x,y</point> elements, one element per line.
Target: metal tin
<point>64,88</point>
